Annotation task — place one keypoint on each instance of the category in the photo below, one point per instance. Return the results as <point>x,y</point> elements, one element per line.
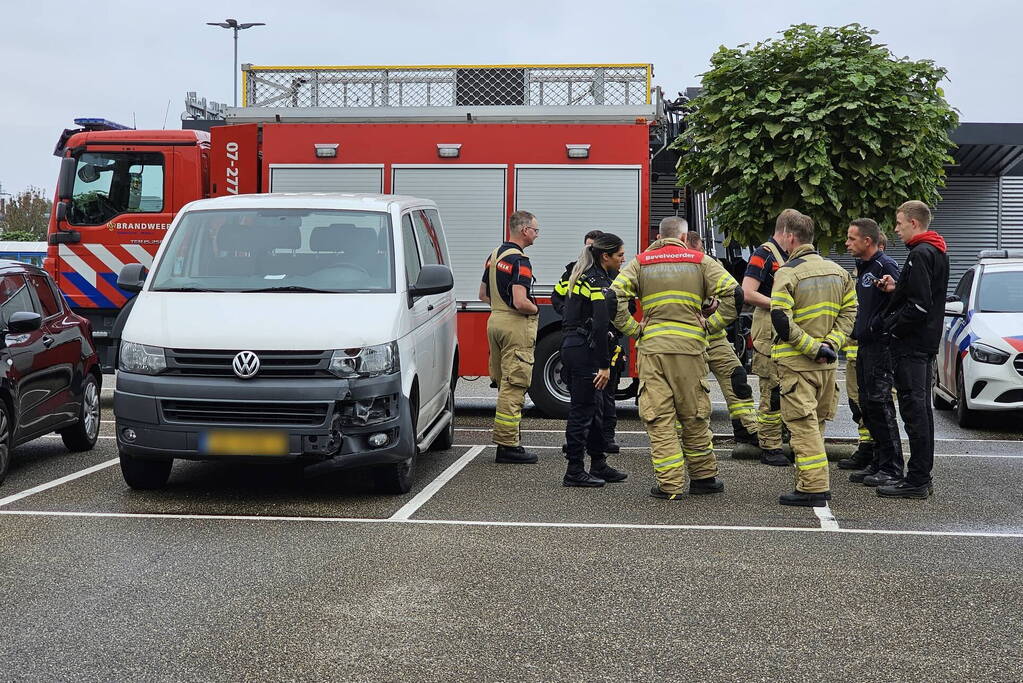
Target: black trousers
<point>914,375</point>
<point>610,421</point>
<point>584,431</point>
<point>876,377</point>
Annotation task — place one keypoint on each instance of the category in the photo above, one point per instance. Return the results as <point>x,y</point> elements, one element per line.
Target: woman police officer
<point>589,342</point>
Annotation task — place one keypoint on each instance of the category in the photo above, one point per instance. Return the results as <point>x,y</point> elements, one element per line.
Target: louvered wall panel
<point>1012,212</point>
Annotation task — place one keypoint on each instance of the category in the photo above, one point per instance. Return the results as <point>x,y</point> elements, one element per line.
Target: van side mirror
<point>66,179</point>
<point>433,279</point>
<point>24,321</point>
<point>132,277</point>
<point>954,309</point>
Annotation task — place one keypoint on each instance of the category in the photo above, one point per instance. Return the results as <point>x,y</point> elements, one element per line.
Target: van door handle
<point>47,340</point>
<point>430,307</point>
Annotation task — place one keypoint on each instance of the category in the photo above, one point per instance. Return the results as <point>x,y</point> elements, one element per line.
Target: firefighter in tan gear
<point>671,283</point>
<point>757,283</point>
<point>813,307</point>
<point>731,376</point>
<point>511,332</point>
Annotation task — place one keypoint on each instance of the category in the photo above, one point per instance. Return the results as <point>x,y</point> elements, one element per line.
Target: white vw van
<point>309,327</point>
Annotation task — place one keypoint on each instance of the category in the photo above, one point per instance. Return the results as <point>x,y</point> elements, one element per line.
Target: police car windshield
<point>1001,292</point>
<point>278,250</point>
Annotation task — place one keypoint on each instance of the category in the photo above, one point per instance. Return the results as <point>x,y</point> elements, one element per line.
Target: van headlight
<point>368,361</point>
<point>145,360</point>
<point>982,353</point>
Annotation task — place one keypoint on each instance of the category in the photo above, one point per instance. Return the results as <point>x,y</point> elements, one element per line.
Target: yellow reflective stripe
<point>669,463</point>
<point>849,298</point>
<point>816,312</point>
<point>782,299</point>
<point>505,419</point>
<point>672,296</point>
<point>837,338</point>
<point>675,331</point>
<point>718,335</point>
<point>697,453</point>
<point>805,343</point>
<point>596,295</point>
<point>865,434</point>
<point>784,351</point>
<point>723,286</point>
<point>852,350</point>
<point>623,283</point>
<point>812,462</point>
<point>740,408</point>
<point>630,326</point>
<point>769,418</point>
<point>615,354</point>
<point>561,288</point>
<point>817,305</point>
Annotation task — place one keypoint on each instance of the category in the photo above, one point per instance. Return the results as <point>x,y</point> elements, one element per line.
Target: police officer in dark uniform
<point>617,354</point>
<point>586,351</point>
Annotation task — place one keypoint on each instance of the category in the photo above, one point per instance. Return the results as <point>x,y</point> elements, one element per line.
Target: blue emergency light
<point>100,124</point>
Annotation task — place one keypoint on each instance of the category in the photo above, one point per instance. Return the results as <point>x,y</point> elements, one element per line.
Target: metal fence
<point>568,85</point>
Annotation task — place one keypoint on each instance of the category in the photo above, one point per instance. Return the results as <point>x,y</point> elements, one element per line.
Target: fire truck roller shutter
<point>568,203</point>
<point>472,208</point>
<point>326,178</point>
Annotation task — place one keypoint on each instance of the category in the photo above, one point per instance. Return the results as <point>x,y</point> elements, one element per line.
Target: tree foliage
<point>26,216</point>
<point>822,120</point>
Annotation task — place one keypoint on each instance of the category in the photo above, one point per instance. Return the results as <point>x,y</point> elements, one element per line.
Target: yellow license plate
<point>256,442</point>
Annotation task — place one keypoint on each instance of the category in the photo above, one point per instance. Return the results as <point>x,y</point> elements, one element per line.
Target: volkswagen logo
<point>246,365</point>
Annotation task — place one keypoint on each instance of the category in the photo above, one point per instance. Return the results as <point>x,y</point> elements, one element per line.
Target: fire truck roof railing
<point>433,88</point>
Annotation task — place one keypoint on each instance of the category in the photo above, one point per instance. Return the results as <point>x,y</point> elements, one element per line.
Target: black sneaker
<point>775,457</point>
<point>656,492</point>
<point>806,500</point>
<point>881,479</point>
<point>858,476</point>
<point>515,455</point>
<point>608,474</point>
<point>858,460</point>
<point>905,490</point>
<point>583,479</point>
<point>612,447</point>
<point>701,487</point>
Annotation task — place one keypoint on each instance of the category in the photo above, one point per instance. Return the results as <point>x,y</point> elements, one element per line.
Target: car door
<point>62,355</point>
<point>26,370</point>
<point>430,239</point>
<point>420,313</point>
<point>955,329</point>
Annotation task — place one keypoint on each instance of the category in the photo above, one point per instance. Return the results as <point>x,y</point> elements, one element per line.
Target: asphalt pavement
<point>496,572</point>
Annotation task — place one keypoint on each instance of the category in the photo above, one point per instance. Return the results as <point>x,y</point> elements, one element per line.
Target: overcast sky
<point>134,61</point>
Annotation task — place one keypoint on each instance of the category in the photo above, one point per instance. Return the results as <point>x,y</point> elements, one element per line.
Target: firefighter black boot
<point>600,469</point>
<point>514,455</point>
<point>860,459</point>
<point>775,457</point>
<point>698,487</point>
<point>746,445</point>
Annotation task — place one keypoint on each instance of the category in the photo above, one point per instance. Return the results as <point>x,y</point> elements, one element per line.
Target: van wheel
<point>547,390</point>
<point>965,417</point>
<point>5,442</point>
<point>83,434</point>
<point>397,478</point>
<point>145,475</point>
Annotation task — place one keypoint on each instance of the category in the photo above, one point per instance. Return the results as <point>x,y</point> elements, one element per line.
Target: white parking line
<point>537,525</point>
<point>409,508</point>
<point>827,518</point>
<point>57,482</point>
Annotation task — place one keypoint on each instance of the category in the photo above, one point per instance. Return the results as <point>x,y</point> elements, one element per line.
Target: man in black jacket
<point>913,321</point>
<point>880,464</point>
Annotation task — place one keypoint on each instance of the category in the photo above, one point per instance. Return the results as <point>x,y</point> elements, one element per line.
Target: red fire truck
<point>580,146</point>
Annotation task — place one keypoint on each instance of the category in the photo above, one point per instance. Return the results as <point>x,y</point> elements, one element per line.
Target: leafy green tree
<point>822,120</point>
<point>27,213</point>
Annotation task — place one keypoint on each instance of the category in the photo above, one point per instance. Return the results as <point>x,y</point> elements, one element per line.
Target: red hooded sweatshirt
<point>930,237</point>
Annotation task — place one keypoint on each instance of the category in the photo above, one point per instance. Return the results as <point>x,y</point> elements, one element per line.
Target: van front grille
<point>275,364</point>
<point>245,412</point>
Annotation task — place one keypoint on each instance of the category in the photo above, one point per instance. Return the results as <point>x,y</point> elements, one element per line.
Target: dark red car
<point>50,375</point>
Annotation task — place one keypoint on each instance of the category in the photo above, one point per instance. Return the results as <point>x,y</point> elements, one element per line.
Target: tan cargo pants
<point>512,337</point>
<point>723,363</point>
<point>808,400</point>
<point>671,389</point>
<point>769,415</point>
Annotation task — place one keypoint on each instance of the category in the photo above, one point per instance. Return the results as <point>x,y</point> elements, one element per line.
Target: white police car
<point>980,360</point>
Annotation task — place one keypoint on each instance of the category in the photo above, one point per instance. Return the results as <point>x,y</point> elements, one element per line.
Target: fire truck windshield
<point>262,250</point>
<point>108,184</point>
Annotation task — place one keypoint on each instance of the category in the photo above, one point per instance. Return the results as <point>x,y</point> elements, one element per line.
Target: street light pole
<point>235,26</point>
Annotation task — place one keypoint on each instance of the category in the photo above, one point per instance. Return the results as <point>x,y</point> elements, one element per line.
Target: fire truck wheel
<point>547,390</point>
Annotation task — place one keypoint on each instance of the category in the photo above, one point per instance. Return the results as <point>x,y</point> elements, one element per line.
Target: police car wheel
<point>547,390</point>
<point>5,441</point>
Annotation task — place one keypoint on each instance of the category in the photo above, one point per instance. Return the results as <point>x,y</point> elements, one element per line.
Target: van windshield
<point>273,250</point>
